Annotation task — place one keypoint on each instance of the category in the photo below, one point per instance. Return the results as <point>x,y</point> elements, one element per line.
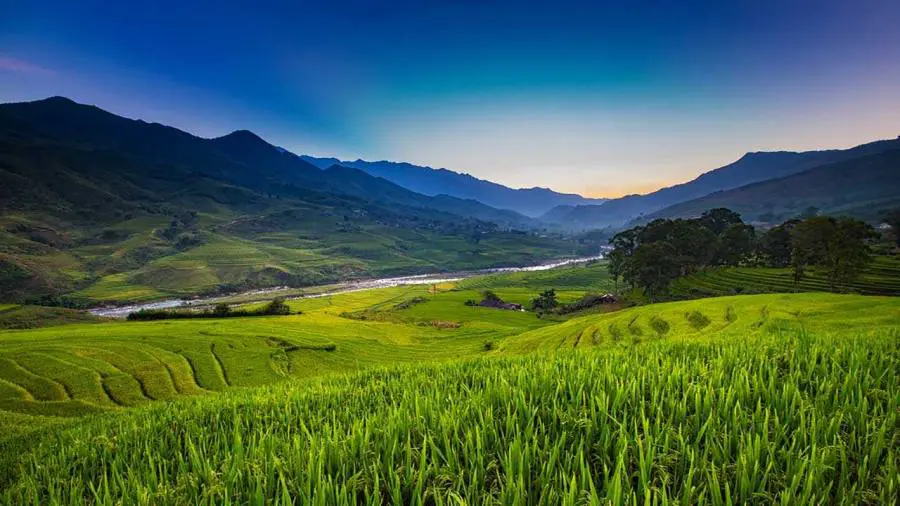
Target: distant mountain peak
<point>430,181</point>
<point>57,99</point>
<point>244,136</point>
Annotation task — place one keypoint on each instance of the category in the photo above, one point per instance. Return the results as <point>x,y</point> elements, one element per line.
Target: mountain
<point>428,181</point>
<point>861,187</point>
<point>101,207</point>
<point>240,157</point>
<point>751,168</point>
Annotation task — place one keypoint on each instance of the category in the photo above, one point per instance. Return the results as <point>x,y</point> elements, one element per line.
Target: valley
<point>345,372</point>
<point>189,320</point>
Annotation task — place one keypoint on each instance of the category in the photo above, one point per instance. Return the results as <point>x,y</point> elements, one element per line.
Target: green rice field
<point>407,396</point>
<point>881,277</point>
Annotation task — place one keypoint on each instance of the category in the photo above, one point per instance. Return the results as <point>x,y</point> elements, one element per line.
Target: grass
<point>882,277</point>
<point>14,316</point>
<point>424,400</point>
<point>700,422</point>
<point>129,261</point>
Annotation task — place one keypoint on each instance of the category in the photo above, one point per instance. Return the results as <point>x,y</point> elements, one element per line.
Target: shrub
<point>697,319</point>
<point>277,307</point>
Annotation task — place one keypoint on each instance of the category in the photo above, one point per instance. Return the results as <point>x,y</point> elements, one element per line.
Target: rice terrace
<point>662,266</point>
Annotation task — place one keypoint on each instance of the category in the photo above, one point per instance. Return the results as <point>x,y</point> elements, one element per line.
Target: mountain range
<point>749,169</point>
<point>91,202</point>
<point>428,181</point>
<point>864,187</point>
<point>98,207</point>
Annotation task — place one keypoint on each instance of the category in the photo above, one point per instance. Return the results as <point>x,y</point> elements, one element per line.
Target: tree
<point>616,266</point>
<point>221,310</point>
<point>839,246</point>
<point>545,301</point>
<point>655,267</point>
<point>277,307</point>
<point>695,245</point>
<point>624,243</point>
<point>736,244</point>
<point>775,245</point>
<point>491,296</point>
<point>848,252</point>
<point>718,219</point>
<point>808,244</point>
<point>892,218</point>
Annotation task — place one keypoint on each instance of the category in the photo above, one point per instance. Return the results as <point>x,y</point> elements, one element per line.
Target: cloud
<point>10,64</point>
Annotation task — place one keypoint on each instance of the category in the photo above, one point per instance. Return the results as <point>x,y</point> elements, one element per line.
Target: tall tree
<point>892,218</point>
<point>655,267</point>
<point>848,251</point>
<point>839,246</point>
<point>775,245</point>
<point>719,219</point>
<point>736,244</point>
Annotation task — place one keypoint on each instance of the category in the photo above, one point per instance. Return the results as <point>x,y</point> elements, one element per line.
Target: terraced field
<point>733,317</point>
<point>882,277</point>
<point>705,401</point>
<point>86,368</point>
<point>79,369</point>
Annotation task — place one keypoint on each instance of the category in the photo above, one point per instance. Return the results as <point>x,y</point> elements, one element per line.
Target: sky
<point>599,98</point>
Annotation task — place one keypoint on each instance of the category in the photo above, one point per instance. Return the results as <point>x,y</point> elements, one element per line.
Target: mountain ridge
<point>434,181</point>
<point>752,167</point>
<point>863,187</point>
<point>94,205</point>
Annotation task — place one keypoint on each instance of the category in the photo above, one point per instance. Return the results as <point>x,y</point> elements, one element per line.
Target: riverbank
<point>325,290</point>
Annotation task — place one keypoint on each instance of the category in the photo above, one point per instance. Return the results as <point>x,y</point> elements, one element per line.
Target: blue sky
<point>602,98</point>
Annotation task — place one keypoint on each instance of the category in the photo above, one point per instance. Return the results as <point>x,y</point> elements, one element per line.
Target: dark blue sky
<point>595,97</point>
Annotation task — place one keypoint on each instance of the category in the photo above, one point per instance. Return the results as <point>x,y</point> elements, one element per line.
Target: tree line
<point>277,307</point>
<point>651,256</point>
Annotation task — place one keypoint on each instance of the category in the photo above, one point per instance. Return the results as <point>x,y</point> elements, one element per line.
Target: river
<point>342,287</point>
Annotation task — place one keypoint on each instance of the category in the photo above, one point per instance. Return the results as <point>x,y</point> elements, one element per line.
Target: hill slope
<point>860,187</point>
<point>120,209</point>
<point>697,402</point>
<point>428,181</point>
<point>751,168</point>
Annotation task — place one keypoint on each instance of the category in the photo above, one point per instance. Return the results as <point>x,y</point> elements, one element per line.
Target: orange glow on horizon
<point>617,191</point>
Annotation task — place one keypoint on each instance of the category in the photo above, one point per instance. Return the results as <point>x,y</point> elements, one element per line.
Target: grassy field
<point>882,277</point>
<point>779,416</point>
<point>363,398</point>
<point>80,369</point>
<point>14,316</point>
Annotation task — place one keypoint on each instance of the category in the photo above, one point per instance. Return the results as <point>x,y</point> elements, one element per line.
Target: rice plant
<point>788,418</point>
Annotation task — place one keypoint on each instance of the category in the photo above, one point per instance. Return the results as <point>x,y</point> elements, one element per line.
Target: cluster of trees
<point>652,256</point>
<point>839,246</point>
<point>275,308</point>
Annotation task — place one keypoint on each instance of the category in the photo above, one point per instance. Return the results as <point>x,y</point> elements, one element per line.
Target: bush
<point>545,301</point>
<point>275,308</point>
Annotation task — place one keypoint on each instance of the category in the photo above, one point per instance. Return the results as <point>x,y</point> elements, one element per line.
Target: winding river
<point>342,287</point>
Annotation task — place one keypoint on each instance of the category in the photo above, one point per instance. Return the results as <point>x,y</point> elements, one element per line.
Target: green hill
<point>689,402</point>
<point>861,187</point>
<point>105,208</point>
<point>881,277</point>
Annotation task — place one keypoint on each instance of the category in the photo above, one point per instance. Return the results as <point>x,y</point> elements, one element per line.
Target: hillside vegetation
<point>775,398</point>
<point>880,277</point>
<point>101,208</point>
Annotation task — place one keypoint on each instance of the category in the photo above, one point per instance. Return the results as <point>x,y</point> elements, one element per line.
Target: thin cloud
<point>21,66</point>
